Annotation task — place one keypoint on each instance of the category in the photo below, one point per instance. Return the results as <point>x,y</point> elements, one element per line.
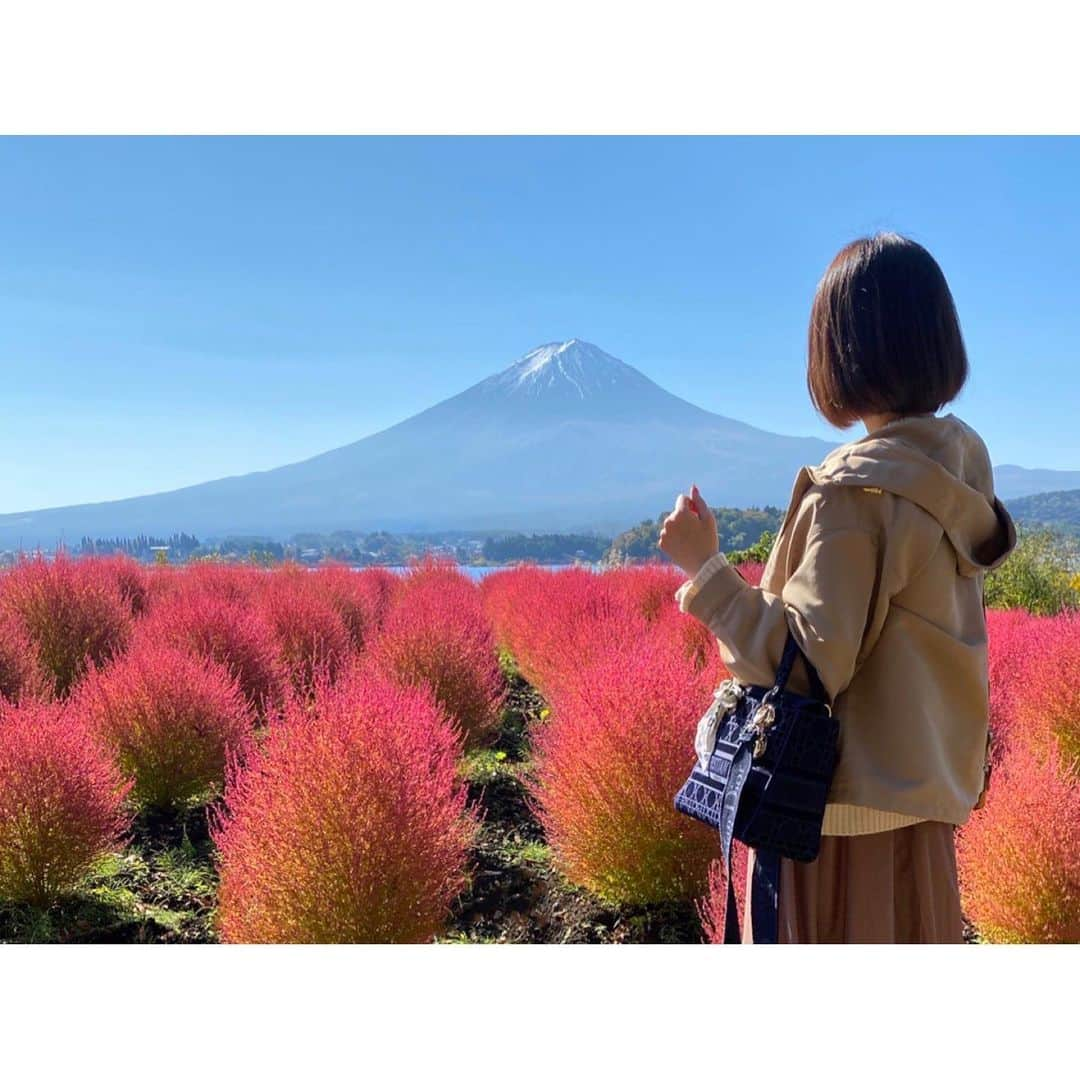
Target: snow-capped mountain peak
<point>573,368</point>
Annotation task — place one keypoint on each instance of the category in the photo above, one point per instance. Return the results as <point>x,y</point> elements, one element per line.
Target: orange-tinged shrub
<point>61,802</point>
<point>169,717</point>
<point>1045,698</point>
<point>350,826</point>
<point>229,631</point>
<point>1019,856</point>
<point>440,638</point>
<point>73,612</point>
<point>609,761</point>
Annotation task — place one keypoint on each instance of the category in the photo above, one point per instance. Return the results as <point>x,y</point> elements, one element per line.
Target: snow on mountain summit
<point>571,368</point>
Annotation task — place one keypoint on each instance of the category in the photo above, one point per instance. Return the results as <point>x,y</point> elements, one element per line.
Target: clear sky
<point>174,310</point>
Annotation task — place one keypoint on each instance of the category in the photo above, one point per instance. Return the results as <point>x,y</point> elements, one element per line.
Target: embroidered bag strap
<point>763,901</point>
<point>988,766</point>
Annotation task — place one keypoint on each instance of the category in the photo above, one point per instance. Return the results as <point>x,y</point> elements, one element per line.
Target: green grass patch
<point>484,765</point>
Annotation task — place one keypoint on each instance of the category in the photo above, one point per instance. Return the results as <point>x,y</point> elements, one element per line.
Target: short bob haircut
<point>884,336</point>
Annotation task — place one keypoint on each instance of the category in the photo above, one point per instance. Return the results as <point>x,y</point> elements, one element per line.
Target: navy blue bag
<point>766,782</point>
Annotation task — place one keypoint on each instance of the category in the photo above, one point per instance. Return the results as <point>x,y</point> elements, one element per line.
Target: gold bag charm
<point>762,720</point>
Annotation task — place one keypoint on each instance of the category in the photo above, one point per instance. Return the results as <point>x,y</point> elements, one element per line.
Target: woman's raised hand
<point>688,536</point>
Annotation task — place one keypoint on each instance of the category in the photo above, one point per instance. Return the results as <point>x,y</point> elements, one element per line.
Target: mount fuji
<point>568,438</point>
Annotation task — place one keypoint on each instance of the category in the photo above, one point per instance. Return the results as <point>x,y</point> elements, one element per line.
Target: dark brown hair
<point>884,336</point>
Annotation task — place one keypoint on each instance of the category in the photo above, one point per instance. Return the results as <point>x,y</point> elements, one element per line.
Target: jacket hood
<point>942,465</point>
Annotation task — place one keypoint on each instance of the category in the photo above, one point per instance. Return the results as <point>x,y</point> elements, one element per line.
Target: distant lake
<point>478,572</point>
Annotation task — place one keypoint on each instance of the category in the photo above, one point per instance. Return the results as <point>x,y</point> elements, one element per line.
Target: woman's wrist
<point>694,568</point>
<point>689,588</point>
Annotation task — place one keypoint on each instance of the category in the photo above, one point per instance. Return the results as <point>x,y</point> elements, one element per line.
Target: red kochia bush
<point>553,622</point>
<point>502,593</point>
<point>712,909</point>
<point>312,637</point>
<point>20,675</point>
<point>132,579</point>
<point>380,589</point>
<point>751,572</point>
<point>362,598</point>
<point>234,634</point>
<point>1011,634</point>
<point>169,717</point>
<point>1045,700</point>
<point>351,826</point>
<point>432,571</point>
<point>439,637</point>
<point>608,765</point>
<point>1019,857</point>
<point>231,581</point>
<point>696,640</point>
<point>649,588</point>
<point>73,612</point>
<point>61,802</point>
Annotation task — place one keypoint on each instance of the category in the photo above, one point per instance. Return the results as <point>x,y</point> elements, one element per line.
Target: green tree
<point>1037,575</point>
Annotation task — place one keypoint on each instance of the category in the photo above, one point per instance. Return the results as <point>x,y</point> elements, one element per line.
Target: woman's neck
<point>873,421</point>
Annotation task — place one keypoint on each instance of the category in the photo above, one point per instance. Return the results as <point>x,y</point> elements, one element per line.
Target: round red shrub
<point>380,589</point>
<point>503,594</point>
<point>170,718</point>
<point>695,639</point>
<point>1019,856</point>
<point>350,826</point>
<point>73,613</point>
<point>1045,700</point>
<point>609,761</point>
<point>649,588</point>
<point>362,598</point>
<point>20,674</point>
<point>440,638</point>
<point>1013,636</point>
<point>552,622</point>
<point>234,634</point>
<point>230,581</point>
<point>433,571</point>
<point>313,640</point>
<point>61,802</point>
<point>132,579</point>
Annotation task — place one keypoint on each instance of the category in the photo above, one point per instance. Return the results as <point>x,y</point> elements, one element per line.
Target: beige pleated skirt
<point>897,886</point>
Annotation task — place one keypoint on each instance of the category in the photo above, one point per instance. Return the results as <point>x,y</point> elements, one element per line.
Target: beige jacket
<point>878,570</point>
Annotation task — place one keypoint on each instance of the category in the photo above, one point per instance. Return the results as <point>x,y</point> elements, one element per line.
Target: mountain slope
<point>567,438</point>
<point>1014,481</point>
<point>1058,510</point>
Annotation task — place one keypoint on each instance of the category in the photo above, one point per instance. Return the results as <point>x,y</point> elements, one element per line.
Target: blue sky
<point>173,310</point>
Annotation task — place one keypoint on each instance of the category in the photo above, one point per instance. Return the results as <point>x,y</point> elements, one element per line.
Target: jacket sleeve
<point>832,600</point>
